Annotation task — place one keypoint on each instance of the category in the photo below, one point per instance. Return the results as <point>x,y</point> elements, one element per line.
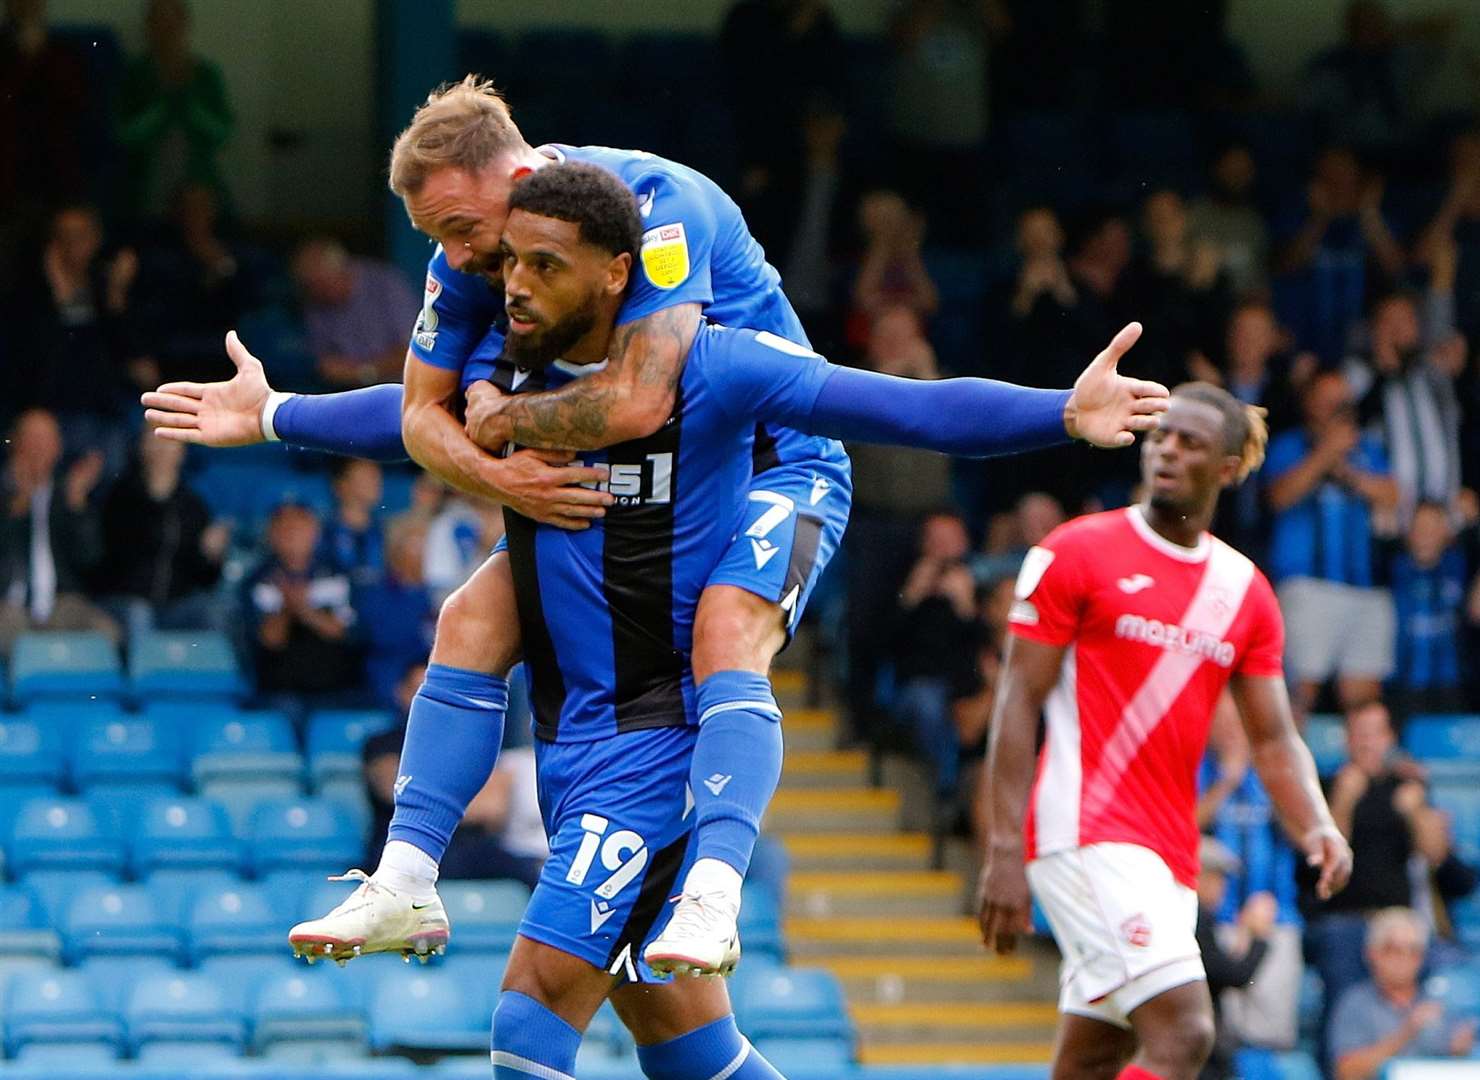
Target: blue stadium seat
<point>57,1007</point>
<point>770,866</point>
<point>760,923</point>
<point>239,976</point>
<point>30,756</point>
<point>25,930</point>
<point>61,834</point>
<point>1458,987</point>
<point>118,920</point>
<point>1325,734</point>
<point>65,719</point>
<point>792,1003</point>
<point>177,1057</point>
<point>235,919</point>
<point>1461,801</point>
<point>1443,738</point>
<point>113,977</point>
<point>80,664</point>
<point>351,797</point>
<point>174,891</point>
<point>485,913</point>
<point>134,750</point>
<point>54,889</point>
<point>182,1007</point>
<point>183,834</point>
<point>335,738</point>
<point>306,894</point>
<point>191,664</point>
<point>305,1007</point>
<point>1465,914</point>
<point>240,798</point>
<point>249,746</point>
<point>425,1010</point>
<point>63,1057</point>
<point>801,1056</point>
<point>303,833</point>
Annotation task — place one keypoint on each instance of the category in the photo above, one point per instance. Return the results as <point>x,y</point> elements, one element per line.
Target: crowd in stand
<point>1337,284</point>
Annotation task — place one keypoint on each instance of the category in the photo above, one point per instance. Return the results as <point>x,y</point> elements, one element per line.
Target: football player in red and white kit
<point>1127,626</point>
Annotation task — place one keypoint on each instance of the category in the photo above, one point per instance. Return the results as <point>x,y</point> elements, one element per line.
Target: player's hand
<point>544,487</point>
<point>216,413</point>
<point>1108,408</point>
<point>1327,849</point>
<point>485,402</point>
<point>1004,907</point>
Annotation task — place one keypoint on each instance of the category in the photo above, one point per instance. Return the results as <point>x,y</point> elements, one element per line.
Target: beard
<point>542,347</point>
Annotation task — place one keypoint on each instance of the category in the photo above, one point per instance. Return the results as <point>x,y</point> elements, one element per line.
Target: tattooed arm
<point>630,399</point>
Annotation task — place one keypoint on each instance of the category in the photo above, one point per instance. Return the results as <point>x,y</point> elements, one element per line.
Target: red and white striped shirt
<point>1153,631</point>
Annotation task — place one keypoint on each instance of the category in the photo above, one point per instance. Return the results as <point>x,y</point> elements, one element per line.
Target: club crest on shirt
<point>1136,931</point>
<point>665,255</point>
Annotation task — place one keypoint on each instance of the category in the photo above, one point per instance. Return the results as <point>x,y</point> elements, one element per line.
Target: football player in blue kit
<point>454,167</point>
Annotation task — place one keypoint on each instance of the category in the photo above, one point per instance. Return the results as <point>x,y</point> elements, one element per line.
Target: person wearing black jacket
<point>1228,969</point>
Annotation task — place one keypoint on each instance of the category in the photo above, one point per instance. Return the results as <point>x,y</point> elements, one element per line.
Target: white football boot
<point>373,919</point>
<point>702,937</point>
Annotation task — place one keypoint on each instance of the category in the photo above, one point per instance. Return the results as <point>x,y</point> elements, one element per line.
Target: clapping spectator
<point>173,114</point>
<point>1043,294</point>
<point>1389,1016</point>
<point>357,313</point>
<point>164,551</point>
<point>1326,484</point>
<point>50,540</point>
<point>1440,878</point>
<point>1230,965</point>
<point>396,609</point>
<point>300,614</point>
<point>1428,582</point>
<point>1228,219</point>
<point>893,273</point>
<point>353,542</point>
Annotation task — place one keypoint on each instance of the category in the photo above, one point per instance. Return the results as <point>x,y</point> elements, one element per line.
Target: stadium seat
<point>335,738</point>
<point>485,913</point>
<point>30,756</point>
<point>62,1057</point>
<point>418,1009</point>
<point>1325,734</point>
<point>305,1007</point>
<point>240,798</point>
<point>249,746</point>
<point>190,664</point>
<point>64,719</point>
<point>177,1057</point>
<point>174,891</point>
<point>50,664</point>
<point>57,1007</point>
<point>792,1003</point>
<point>236,919</point>
<point>118,920</point>
<point>134,750</point>
<point>760,923</point>
<point>1434,739</point>
<point>303,833</point>
<point>1458,988</point>
<point>181,1007</point>
<point>1461,801</point>
<point>183,834</point>
<point>769,868</point>
<point>61,834</point>
<point>54,889</point>
<point>351,797</point>
<point>801,1056</point>
<point>25,930</point>
<point>306,894</point>
<point>113,977</point>
<point>240,974</point>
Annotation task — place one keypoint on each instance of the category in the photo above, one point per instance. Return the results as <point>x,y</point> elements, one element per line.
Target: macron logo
<point>1135,583</point>
<point>764,552</point>
<point>600,913</point>
<point>718,782</point>
<point>645,204</point>
<point>400,785</point>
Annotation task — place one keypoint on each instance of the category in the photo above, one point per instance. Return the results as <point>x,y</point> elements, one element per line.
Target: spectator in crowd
<point>1389,1016</point>
<point>396,611</point>
<point>51,540</point>
<point>43,111</point>
<point>164,552</point>
<point>353,542</point>
<point>1228,219</point>
<point>1009,537</point>
<point>1039,339</point>
<point>1341,251</point>
<point>459,536</point>
<point>173,114</point>
<point>1232,959</point>
<point>70,326</point>
<point>1325,485</point>
<point>936,633</point>
<point>1407,392</point>
<point>1440,879</point>
<point>300,614</point>
<point>1428,582</point>
<point>974,700</point>
<point>357,312</point>
<point>1457,222</point>
<point>501,834</point>
<point>892,273</point>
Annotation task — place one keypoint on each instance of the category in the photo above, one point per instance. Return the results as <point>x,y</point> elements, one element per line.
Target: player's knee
<point>476,632</point>
<point>736,630</point>
<point>1180,1047</point>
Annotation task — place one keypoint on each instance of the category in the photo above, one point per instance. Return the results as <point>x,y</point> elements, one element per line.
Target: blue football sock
<point>736,766</point>
<point>530,1040</point>
<point>716,1049</point>
<point>452,741</point>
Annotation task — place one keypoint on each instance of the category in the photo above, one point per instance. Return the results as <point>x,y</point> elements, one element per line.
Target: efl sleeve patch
<point>665,255</point>
<point>1035,565</point>
<point>425,332</point>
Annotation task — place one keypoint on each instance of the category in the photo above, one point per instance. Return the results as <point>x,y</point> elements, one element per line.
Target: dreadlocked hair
<point>1245,432</point>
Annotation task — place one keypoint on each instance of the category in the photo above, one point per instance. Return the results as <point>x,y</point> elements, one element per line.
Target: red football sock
<point>1135,1072</point>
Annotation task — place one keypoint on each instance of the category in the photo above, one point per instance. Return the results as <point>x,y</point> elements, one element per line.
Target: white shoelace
<point>367,883</point>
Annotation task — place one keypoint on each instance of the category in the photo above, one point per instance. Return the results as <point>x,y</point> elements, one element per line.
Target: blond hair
<point>462,125</point>
<point>1244,425</point>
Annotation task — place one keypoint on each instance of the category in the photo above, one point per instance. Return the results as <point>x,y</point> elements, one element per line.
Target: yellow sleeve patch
<point>665,255</point>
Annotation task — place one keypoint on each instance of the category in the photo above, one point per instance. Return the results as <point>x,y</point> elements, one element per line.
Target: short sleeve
<point>673,263</point>
<point>1264,654</point>
<point>1352,1025</point>
<point>456,312</point>
<point>1049,596</point>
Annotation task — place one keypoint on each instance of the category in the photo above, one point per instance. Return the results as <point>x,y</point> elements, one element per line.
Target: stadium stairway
<point>863,904</point>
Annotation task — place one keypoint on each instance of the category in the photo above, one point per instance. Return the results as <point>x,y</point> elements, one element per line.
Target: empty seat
<point>118,920</point>
<point>132,750</point>
<point>424,1010</point>
<point>801,1056</point>
<point>54,889</point>
<point>304,1007</point>
<point>183,1007</point>
<point>335,739</point>
<point>792,1003</point>
<point>235,919</point>
<point>241,797</point>
<point>1325,734</point>
<point>62,1056</point>
<point>239,975</point>
<point>183,834</point>
<point>760,923</point>
<point>190,664</point>
<point>64,719</point>
<point>113,977</point>
<point>174,891</point>
<point>485,914</point>
<point>30,756</point>
<point>59,834</point>
<point>248,746</point>
<point>1443,738</point>
<point>25,930</point>
<point>48,664</point>
<point>302,833</point>
<point>57,1007</point>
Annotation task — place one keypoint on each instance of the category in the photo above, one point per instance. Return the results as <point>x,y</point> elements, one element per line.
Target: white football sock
<point>406,868</point>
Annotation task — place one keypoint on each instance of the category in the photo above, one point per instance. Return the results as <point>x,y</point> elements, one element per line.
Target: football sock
<point>452,742</point>
<point>530,1040</point>
<point>736,765</point>
<point>716,1049</point>
<point>1135,1072</point>
<point>406,868</point>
